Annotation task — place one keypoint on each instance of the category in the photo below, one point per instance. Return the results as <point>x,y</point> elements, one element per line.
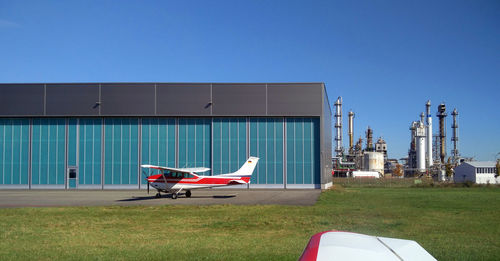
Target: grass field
<point>451,223</point>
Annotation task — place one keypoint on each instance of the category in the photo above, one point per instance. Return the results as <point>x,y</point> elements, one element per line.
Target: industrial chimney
<point>429,134</point>
<point>351,132</point>
<point>442,130</point>
<point>338,127</point>
<point>454,139</point>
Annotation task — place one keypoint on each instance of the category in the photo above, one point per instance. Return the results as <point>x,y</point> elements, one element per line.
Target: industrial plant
<point>368,161</point>
<point>427,155</point>
<point>424,144</point>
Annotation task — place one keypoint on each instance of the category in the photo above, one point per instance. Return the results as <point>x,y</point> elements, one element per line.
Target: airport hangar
<point>96,135</point>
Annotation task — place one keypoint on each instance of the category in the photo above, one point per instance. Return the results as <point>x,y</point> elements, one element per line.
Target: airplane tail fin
<point>247,169</point>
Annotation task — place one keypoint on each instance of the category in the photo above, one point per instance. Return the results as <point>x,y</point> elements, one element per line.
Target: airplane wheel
<point>158,195</point>
<point>174,196</point>
<point>188,193</point>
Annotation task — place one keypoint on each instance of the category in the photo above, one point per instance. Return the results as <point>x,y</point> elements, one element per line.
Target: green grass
<point>451,223</point>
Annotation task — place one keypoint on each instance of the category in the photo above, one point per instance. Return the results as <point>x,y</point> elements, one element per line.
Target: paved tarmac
<point>66,198</point>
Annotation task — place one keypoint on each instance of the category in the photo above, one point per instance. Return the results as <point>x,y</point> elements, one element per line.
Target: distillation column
<point>351,132</point>
<point>454,139</point>
<point>420,134</point>
<point>369,139</point>
<point>442,130</point>
<point>429,134</point>
<point>338,127</point>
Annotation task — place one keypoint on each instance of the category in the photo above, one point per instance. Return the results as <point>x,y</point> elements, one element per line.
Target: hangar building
<point>96,135</point>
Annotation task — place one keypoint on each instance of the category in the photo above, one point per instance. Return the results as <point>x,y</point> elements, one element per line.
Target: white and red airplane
<point>175,180</point>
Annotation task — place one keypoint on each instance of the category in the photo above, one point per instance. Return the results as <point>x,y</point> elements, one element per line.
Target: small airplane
<point>175,180</point>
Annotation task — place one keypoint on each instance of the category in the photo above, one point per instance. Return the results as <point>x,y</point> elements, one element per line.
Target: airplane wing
<point>338,245</point>
<point>183,170</point>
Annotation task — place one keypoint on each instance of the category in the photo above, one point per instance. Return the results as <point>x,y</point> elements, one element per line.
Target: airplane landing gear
<point>188,193</point>
<point>174,195</point>
<point>158,195</point>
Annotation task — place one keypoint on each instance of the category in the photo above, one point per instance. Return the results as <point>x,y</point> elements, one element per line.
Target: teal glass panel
<point>14,151</point>
<point>308,149</point>
<point>229,144</point>
<point>35,152</point>
<point>278,150</point>
<point>108,151</point>
<point>266,142</point>
<point>90,143</point>
<point>290,151</point>
<point>158,143</point>
<point>134,151</point>
<point>121,151</point>
<point>3,122</point>
<point>233,157</point>
<point>242,142</point>
<point>16,159</point>
<point>72,141</point>
<point>270,151</point>
<point>254,149</point>
<point>316,151</point>
<point>200,142</point>
<point>190,143</point>
<point>48,151</point>
<point>262,165</point>
<point>299,151</point>
<point>44,150</point>
<point>225,139</point>
<point>117,151</point>
<point>24,151</point>
<point>217,146</point>
<point>303,151</point>
<point>8,153</point>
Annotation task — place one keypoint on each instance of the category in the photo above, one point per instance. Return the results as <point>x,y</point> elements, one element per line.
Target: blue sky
<point>386,58</point>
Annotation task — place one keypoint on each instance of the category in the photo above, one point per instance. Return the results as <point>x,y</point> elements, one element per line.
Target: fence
<point>382,182</point>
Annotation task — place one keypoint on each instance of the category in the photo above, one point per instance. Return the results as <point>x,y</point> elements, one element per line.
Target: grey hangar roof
<point>163,99</point>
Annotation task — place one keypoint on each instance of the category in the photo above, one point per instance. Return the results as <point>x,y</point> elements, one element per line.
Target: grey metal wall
<point>161,99</point>
<point>173,99</point>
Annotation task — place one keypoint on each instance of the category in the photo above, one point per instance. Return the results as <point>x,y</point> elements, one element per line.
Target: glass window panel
<point>188,143</point>
<point>217,146</point>
<point>108,151</point>
<point>117,151</point>
<point>2,150</point>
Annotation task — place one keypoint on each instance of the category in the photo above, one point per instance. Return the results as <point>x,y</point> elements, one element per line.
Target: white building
<point>480,172</point>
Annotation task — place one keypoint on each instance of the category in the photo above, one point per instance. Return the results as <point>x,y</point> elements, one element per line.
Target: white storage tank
<point>374,161</point>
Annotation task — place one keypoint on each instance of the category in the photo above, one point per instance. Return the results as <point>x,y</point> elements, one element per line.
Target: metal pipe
<point>351,131</point>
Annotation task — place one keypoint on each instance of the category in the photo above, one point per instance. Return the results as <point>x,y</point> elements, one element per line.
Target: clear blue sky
<point>386,58</point>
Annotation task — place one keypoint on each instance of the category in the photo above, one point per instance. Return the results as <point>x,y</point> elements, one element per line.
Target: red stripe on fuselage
<point>198,180</point>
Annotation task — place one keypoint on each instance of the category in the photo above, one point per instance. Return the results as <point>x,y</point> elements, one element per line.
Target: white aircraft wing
<point>337,245</point>
<point>183,170</point>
